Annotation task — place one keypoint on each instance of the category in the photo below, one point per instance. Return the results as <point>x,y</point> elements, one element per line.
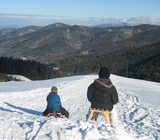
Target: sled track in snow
<point>136,117</point>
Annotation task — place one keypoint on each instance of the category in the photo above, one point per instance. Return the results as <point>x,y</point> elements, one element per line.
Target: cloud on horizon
<point>42,20</point>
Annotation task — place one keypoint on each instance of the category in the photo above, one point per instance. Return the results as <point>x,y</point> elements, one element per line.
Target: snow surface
<point>135,117</point>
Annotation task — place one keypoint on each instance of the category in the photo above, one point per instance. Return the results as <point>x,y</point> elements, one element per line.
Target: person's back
<point>53,102</point>
<point>102,93</point>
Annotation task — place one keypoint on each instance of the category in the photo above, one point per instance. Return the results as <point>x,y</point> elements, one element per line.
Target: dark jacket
<point>53,102</point>
<point>102,94</point>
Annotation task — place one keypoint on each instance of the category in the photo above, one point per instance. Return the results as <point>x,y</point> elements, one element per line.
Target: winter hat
<point>104,73</point>
<point>54,89</point>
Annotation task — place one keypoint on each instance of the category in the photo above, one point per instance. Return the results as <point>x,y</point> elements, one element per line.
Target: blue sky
<point>80,11</point>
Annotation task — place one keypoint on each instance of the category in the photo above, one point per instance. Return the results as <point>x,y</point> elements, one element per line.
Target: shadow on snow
<point>30,111</point>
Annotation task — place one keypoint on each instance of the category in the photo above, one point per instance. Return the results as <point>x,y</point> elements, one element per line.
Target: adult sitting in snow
<point>102,93</point>
<point>54,104</point>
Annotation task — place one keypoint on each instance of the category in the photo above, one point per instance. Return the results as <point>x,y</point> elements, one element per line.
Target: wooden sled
<point>95,112</point>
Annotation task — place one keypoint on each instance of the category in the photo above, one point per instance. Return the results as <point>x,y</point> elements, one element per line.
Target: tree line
<point>141,63</point>
<point>28,68</point>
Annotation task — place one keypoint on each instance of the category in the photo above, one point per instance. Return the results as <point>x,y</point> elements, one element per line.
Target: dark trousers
<point>63,111</point>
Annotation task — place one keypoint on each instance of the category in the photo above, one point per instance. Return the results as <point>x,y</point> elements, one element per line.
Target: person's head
<point>54,89</point>
<point>104,73</point>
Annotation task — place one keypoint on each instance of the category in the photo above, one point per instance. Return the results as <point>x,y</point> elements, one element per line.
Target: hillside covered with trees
<point>141,63</point>
<point>57,41</point>
<point>131,51</point>
<point>30,69</point>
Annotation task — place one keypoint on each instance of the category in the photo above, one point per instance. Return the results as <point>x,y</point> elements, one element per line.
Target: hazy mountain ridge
<point>115,24</point>
<point>12,33</point>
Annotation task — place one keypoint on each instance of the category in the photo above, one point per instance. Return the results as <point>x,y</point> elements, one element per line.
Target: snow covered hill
<point>136,116</point>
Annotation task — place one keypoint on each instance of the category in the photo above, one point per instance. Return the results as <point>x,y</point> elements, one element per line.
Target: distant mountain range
<point>56,41</point>
<point>72,47</point>
<point>115,24</point>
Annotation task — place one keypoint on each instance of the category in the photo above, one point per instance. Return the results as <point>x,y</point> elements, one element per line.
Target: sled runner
<point>95,112</point>
<point>56,115</point>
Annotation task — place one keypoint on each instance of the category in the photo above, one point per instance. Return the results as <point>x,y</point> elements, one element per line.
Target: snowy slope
<point>136,116</point>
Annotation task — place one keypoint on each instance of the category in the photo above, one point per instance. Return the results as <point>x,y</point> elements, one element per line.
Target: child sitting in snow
<point>54,104</point>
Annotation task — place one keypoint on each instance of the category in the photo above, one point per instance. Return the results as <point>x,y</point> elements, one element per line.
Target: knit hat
<point>104,73</point>
<point>54,89</point>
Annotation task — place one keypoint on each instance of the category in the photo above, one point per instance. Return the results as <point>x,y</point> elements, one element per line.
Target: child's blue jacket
<point>53,102</point>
